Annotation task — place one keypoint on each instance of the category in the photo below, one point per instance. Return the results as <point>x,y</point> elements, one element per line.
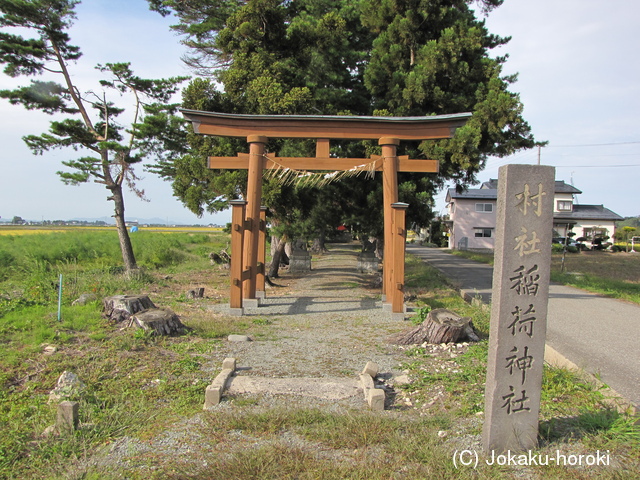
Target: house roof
<point>473,193</point>
<point>561,186</point>
<point>588,212</point>
<point>580,212</point>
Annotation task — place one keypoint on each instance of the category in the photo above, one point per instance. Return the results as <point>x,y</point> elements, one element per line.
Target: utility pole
<point>539,154</point>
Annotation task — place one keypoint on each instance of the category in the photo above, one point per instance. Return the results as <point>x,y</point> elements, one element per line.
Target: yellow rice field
<point>38,229</point>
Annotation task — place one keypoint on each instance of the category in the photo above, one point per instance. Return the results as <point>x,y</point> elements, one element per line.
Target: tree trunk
<point>277,255</point>
<point>379,247</point>
<point>440,326</point>
<point>318,245</point>
<point>126,248</point>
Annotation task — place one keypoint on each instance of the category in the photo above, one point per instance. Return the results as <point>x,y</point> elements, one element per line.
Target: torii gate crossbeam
<point>389,131</point>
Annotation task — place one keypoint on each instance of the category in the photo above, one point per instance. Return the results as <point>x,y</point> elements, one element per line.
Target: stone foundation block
<point>67,417</point>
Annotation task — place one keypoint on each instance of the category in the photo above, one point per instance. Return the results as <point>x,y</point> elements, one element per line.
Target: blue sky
<point>579,83</point>
<point>578,80</point>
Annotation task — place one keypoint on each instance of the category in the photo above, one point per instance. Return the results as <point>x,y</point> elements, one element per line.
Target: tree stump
<point>222,258</point>
<point>440,326</point>
<point>120,307</point>
<point>160,321</point>
<point>195,293</point>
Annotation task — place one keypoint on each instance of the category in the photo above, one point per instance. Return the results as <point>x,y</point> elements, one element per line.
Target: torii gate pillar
<point>252,221</point>
<point>390,196</point>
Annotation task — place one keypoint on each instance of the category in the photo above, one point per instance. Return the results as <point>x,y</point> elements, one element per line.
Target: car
<point>564,241</point>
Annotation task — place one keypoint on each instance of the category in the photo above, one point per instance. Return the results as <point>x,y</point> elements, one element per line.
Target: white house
<point>472,216</point>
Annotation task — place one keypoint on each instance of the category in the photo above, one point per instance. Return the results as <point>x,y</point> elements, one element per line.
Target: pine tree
<point>371,57</point>
<point>89,121</point>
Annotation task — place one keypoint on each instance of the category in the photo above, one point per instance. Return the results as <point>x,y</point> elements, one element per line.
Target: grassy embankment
<point>615,275</point>
<point>139,386</point>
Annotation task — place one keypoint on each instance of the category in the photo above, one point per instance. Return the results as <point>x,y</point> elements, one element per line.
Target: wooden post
<point>399,238</point>
<point>390,196</point>
<point>237,238</point>
<point>252,216</point>
<point>262,254</point>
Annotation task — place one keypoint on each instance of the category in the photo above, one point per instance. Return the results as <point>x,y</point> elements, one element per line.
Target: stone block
<point>229,363</point>
<point>238,338</point>
<point>367,384</point>
<point>371,369</point>
<point>222,377</point>
<point>250,302</point>
<point>376,399</point>
<point>300,262</point>
<point>212,396</point>
<point>368,263</point>
<point>67,416</point>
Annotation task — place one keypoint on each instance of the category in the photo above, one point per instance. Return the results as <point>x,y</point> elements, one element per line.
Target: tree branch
<point>73,90</point>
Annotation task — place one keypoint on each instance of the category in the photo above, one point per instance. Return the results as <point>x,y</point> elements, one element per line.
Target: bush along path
<point>295,407</point>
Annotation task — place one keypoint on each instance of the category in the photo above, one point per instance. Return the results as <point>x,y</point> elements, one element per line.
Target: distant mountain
<point>111,220</point>
<point>629,222</point>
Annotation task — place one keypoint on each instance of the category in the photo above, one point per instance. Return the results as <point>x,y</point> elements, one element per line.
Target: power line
<point>591,145</point>
<point>594,166</point>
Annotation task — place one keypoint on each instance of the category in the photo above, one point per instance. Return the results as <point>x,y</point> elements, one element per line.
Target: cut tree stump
<point>195,293</point>
<point>120,307</point>
<point>440,326</point>
<point>160,321</point>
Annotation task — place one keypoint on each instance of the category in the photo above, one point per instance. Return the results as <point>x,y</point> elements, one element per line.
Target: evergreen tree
<point>371,57</point>
<point>89,121</point>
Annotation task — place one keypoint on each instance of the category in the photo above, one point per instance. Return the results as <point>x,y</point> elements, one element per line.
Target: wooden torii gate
<point>257,129</point>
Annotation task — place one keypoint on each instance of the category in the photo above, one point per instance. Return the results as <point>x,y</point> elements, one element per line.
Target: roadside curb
<point>556,359</point>
<point>614,399</point>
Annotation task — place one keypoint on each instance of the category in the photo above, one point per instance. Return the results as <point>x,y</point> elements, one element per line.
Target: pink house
<point>472,216</point>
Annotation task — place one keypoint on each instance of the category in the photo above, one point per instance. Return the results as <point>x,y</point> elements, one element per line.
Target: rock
<point>69,385</point>
<point>50,431</point>
<point>85,298</point>
<point>160,321</point>
<point>401,380</point>
<point>238,338</point>
<point>48,349</point>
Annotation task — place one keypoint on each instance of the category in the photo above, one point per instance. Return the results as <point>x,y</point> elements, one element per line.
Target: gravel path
<point>327,324</point>
<point>324,327</point>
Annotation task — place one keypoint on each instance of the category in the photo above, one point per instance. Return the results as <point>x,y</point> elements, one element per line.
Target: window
<point>484,207</point>
<point>565,205</point>
<point>482,232</point>
<point>595,232</point>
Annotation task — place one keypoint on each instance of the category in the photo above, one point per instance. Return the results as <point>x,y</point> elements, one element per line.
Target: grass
<point>140,386</point>
<point>130,377</point>
<point>615,275</point>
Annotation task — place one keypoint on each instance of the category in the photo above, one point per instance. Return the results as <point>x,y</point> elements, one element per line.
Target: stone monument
<point>519,307</point>
<point>299,260</point>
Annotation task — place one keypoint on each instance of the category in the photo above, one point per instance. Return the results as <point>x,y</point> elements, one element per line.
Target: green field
<point>140,386</point>
<point>615,275</point>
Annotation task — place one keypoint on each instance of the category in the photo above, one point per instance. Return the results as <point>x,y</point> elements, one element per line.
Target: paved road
<point>598,334</point>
